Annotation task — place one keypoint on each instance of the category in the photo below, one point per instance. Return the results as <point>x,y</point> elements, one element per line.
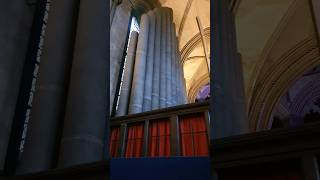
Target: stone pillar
<point>173,66</point>
<point>157,61</point>
<point>118,32</point>
<point>163,63</point>
<point>136,100</point>
<point>226,120</point>
<point>84,130</point>
<point>16,19</point>
<point>127,77</point>
<point>147,103</point>
<point>168,57</point>
<point>49,101</point>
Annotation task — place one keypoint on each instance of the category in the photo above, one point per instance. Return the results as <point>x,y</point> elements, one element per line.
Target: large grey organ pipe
<point>136,100</point>
<point>147,104</point>
<point>127,76</point>
<point>157,61</point>
<point>49,101</point>
<point>168,58</point>
<point>158,78</point>
<point>163,64</point>
<point>85,118</point>
<point>173,65</point>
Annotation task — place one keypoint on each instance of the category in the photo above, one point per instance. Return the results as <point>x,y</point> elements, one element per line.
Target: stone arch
<point>196,86</point>
<point>192,43</point>
<point>283,74</point>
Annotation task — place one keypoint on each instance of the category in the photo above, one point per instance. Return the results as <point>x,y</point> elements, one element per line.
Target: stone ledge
<point>266,146</point>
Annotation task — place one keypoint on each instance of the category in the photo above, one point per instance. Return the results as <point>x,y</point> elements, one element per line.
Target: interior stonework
<point>266,31</point>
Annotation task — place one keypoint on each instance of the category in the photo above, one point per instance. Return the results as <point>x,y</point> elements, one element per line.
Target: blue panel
<point>173,168</point>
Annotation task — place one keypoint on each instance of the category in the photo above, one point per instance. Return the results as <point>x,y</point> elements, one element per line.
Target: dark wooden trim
<point>266,146</point>
<point>207,119</point>
<point>174,136</point>
<point>161,113</point>
<point>145,138</point>
<point>123,132</point>
<point>100,169</point>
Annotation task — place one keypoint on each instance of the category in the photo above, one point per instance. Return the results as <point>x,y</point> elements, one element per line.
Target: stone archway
<point>283,74</point>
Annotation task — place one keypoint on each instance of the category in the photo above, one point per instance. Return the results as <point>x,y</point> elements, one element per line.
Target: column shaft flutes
<point>84,131</point>
<point>168,58</point>
<point>157,61</point>
<point>138,82</point>
<point>50,97</point>
<point>173,66</point>
<point>127,76</point>
<point>147,104</point>
<point>163,64</point>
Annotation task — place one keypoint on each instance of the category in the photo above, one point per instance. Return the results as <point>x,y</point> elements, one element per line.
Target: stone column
<point>168,58</point>
<point>16,25</point>
<point>49,101</point>
<point>147,104</point>
<point>137,91</point>
<point>127,77</point>
<point>163,64</point>
<point>85,130</point>
<point>173,65</point>
<point>157,61</point>
<point>226,120</point>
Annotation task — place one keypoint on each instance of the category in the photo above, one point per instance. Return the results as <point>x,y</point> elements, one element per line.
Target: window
<point>134,140</point>
<point>193,135</point>
<point>159,138</point>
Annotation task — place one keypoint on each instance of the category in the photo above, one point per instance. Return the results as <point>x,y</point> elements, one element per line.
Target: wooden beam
<point>204,44</point>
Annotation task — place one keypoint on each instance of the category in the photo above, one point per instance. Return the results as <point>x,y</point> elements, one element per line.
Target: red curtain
<point>114,141</point>
<point>134,140</point>
<point>159,138</point>
<point>193,135</point>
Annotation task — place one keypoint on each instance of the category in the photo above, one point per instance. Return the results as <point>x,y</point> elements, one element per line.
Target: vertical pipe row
<point>127,76</point>
<point>158,80</point>
<point>51,89</point>
<point>147,104</point>
<point>168,57</point>
<point>157,61</point>
<point>136,100</point>
<point>173,66</point>
<point>163,66</point>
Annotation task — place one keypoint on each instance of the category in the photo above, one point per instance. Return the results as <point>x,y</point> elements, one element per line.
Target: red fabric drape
<point>159,138</point>
<point>193,135</point>
<point>134,140</point>
<point>114,141</point>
